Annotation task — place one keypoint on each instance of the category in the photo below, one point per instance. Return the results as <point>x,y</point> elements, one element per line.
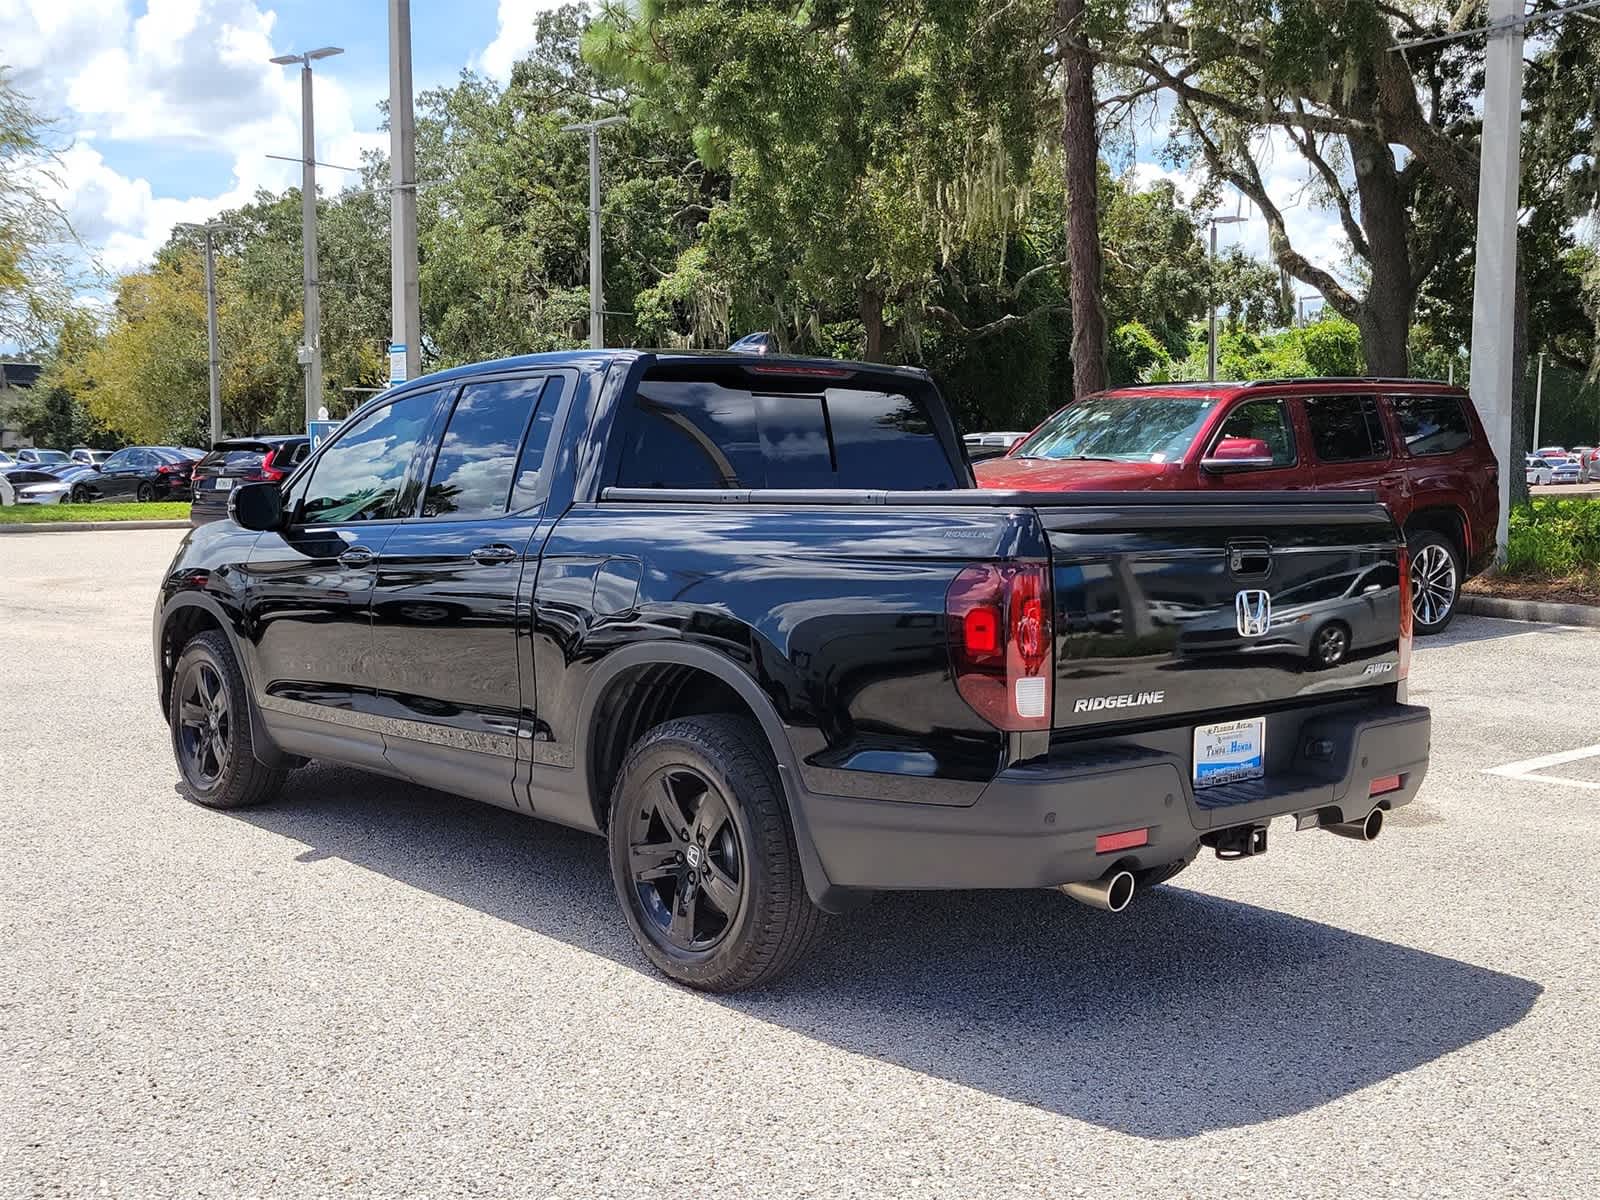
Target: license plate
<point>222,485</point>
<point>1229,751</point>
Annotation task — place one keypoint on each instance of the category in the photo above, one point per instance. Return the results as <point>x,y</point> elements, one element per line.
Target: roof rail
<point>1346,379</point>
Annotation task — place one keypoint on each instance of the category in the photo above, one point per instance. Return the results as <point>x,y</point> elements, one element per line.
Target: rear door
<point>444,669</point>
<point>1176,609</point>
<point>1350,445</point>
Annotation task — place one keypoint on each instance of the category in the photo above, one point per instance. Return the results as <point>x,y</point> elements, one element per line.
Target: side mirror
<point>1238,454</point>
<point>256,506</point>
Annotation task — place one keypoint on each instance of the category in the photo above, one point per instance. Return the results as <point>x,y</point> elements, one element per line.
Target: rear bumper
<point>1036,825</point>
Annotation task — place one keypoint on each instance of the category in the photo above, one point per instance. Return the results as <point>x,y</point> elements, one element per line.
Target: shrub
<point>1553,537</point>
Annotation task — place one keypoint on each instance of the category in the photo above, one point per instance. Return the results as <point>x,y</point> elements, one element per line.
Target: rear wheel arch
<point>643,686</point>
<point>1446,519</point>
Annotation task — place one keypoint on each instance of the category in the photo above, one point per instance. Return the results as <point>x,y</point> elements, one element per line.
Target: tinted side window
<point>531,464</point>
<point>358,478</point>
<point>1263,421</point>
<point>473,471</point>
<point>722,433</point>
<point>1431,424</point>
<point>119,459</point>
<point>1346,428</point>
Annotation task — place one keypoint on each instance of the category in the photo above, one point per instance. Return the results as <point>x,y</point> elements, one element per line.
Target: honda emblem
<point>1252,610</point>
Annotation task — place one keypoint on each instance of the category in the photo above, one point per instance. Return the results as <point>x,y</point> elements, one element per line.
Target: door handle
<point>357,556</point>
<point>496,553</point>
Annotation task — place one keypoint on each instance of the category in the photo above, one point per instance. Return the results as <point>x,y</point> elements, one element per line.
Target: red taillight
<point>165,469</point>
<point>269,473</point>
<point>1405,613</point>
<point>1001,647</point>
<point>1382,784</point>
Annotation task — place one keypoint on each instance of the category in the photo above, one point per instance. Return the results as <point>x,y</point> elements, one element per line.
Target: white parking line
<point>1529,768</point>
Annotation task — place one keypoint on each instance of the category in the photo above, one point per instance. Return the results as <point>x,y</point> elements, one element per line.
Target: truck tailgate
<point>1184,607</point>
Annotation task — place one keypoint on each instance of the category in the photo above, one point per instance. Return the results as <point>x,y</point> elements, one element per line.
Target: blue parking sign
<point>321,431</point>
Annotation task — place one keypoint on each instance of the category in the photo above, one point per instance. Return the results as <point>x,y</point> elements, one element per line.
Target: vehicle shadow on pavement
<point>1467,629</point>
<point>1184,1015</point>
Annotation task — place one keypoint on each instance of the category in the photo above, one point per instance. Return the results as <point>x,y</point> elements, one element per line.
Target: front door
<point>444,668</point>
<point>307,589</point>
<point>1270,421</point>
<point>119,475</point>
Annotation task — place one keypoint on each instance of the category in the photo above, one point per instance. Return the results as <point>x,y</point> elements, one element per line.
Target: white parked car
<point>1539,471</point>
<point>28,485</point>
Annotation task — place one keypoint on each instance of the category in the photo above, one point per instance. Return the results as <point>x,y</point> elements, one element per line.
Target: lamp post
<point>214,354</point>
<point>405,318</point>
<point>311,352</point>
<point>597,314</point>
<point>1211,343</point>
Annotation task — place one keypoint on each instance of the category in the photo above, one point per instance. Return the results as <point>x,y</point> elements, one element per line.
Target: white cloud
<point>184,75</point>
<point>514,35</point>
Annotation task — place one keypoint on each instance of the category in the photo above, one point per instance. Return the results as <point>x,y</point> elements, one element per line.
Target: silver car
<point>28,485</point>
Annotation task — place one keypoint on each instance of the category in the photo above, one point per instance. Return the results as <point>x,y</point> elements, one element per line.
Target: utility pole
<point>311,352</point>
<point>214,353</point>
<point>597,308</point>
<point>1538,401</point>
<point>1211,339</point>
<point>1495,277</point>
<point>405,300</point>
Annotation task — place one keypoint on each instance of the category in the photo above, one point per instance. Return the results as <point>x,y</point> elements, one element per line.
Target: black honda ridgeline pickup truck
<point>749,618</point>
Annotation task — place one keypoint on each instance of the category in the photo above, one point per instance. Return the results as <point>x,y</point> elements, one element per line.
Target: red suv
<point>1419,445</point>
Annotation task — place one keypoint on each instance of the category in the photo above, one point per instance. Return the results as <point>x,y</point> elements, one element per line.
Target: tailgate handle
<point>1250,558</point>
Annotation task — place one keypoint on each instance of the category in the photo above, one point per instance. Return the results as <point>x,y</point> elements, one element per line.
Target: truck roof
<point>599,359</point>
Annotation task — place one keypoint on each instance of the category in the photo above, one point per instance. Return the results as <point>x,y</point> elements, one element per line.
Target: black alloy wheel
<point>687,864</point>
<point>145,493</point>
<point>704,858</point>
<point>80,495</point>
<point>209,717</point>
<point>205,725</point>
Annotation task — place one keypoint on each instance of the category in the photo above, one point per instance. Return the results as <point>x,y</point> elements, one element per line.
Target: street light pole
<point>1211,339</point>
<point>311,352</point>
<point>214,353</point>
<point>1538,400</point>
<point>597,308</point>
<point>405,299</point>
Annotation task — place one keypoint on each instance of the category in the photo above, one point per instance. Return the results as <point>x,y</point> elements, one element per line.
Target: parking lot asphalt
<point>370,989</point>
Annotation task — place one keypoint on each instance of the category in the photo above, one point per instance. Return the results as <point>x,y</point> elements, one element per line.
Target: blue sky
<point>168,108</point>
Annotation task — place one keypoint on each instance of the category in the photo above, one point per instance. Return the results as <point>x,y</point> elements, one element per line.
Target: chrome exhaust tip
<point>1109,893</point>
<point>1366,829</point>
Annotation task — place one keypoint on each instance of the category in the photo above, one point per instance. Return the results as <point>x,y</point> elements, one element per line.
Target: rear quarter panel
<point>837,614</point>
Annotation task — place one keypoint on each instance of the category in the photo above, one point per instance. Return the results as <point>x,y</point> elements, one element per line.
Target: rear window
<point>1346,428</point>
<point>1431,424</point>
<point>711,428</point>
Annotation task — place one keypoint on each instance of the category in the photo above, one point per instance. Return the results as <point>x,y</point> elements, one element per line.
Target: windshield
<point>1120,428</point>
<point>47,456</point>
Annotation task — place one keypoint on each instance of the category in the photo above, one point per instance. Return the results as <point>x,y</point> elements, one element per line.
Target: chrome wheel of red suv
<point>1435,582</point>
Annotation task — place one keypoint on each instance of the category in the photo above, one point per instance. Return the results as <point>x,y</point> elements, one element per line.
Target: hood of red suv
<point>1068,475</point>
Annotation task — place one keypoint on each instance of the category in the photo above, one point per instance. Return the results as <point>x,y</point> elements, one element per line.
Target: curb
<point>87,526</point>
<point>1585,615</point>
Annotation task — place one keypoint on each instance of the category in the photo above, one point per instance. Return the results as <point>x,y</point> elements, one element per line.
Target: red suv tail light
<point>1001,642</point>
<point>267,472</point>
<point>1405,612</point>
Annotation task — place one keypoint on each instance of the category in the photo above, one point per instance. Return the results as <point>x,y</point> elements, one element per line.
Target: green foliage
<point>34,291</point>
<point>1553,538</point>
<point>1135,356</point>
<point>1330,346</point>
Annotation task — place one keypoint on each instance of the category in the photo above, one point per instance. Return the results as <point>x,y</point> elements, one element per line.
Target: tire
<point>209,719</point>
<point>699,800</point>
<point>144,493</point>
<point>1330,644</point>
<point>1436,578</point>
<point>80,495</point>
